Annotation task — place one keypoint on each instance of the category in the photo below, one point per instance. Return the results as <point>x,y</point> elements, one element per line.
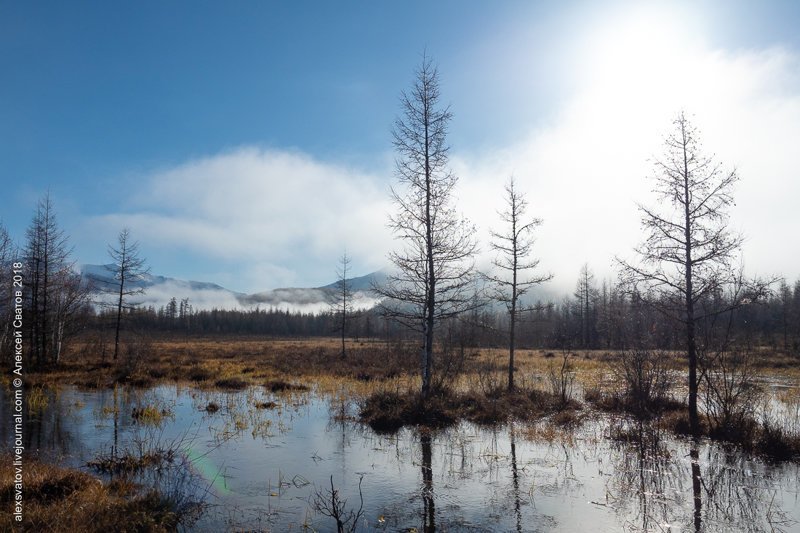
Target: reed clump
<point>77,501</point>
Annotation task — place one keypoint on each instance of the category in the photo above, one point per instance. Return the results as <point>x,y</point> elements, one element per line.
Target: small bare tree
<point>342,299</point>
<point>514,275</point>
<point>732,394</point>
<point>644,374</point>
<point>329,503</point>
<point>128,267</point>
<point>434,269</point>
<point>562,378</point>
<point>727,369</point>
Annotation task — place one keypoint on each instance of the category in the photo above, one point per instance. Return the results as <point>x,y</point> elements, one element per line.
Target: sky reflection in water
<point>261,467</point>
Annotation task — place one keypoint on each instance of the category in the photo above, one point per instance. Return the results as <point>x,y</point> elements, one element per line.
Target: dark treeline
<point>596,316</point>
<point>180,318</point>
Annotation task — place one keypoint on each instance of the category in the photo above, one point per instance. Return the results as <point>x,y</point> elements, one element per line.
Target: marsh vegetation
<point>586,438</point>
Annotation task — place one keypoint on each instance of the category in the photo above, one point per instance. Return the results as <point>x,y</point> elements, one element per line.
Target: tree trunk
<point>691,344</point>
<point>512,328</point>
<point>344,354</point>
<point>45,310</point>
<point>511,342</point>
<point>429,511</point>
<point>694,421</point>
<point>696,486</point>
<point>119,314</point>
<point>344,306</point>
<point>430,305</point>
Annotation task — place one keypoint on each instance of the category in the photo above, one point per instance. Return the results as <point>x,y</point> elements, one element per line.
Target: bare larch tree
<point>434,269</point>
<point>342,299</point>
<point>514,273</point>
<point>127,267</point>
<point>53,290</point>
<point>586,295</point>
<point>688,248</point>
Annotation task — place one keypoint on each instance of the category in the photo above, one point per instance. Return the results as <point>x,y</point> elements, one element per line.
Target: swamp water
<point>261,469</point>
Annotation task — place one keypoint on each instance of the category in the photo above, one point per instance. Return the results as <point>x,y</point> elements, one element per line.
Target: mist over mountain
<point>158,290</point>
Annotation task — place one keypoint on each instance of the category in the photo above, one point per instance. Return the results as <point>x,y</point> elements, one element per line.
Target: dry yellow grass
<point>371,365</point>
<point>63,499</point>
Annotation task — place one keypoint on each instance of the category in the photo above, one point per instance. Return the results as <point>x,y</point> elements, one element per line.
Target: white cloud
<point>276,217</point>
<point>160,294</point>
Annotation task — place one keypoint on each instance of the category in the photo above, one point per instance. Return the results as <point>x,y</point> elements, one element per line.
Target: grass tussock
<point>151,415</point>
<point>70,500</point>
<point>765,438</point>
<point>37,400</point>
<point>139,379</point>
<point>620,402</point>
<point>278,386</point>
<point>388,411</point>
<point>777,443</point>
<point>677,422</point>
<point>231,383</point>
<point>198,373</point>
<point>127,463</point>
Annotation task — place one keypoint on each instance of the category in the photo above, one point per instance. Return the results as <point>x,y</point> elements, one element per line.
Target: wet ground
<point>270,466</point>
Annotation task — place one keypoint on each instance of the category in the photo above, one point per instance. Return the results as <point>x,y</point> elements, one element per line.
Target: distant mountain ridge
<point>204,295</point>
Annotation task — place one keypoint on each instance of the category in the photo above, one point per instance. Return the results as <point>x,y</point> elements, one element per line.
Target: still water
<point>263,468</point>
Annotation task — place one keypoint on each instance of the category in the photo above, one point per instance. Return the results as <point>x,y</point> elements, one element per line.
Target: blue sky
<point>248,143</point>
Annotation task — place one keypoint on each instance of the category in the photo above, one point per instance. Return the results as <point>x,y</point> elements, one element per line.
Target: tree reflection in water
<point>518,477</point>
<point>515,477</point>
<point>650,486</point>
<point>694,453</point>
<point>429,511</point>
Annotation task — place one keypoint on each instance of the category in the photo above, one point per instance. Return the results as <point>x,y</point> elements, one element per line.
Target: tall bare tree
<point>688,247</point>
<point>342,299</point>
<point>586,294</point>
<point>785,301</point>
<point>514,273</point>
<point>434,269</point>
<point>127,268</point>
<point>54,293</point>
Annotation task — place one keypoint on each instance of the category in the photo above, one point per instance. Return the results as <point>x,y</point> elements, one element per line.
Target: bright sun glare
<point>643,61</point>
